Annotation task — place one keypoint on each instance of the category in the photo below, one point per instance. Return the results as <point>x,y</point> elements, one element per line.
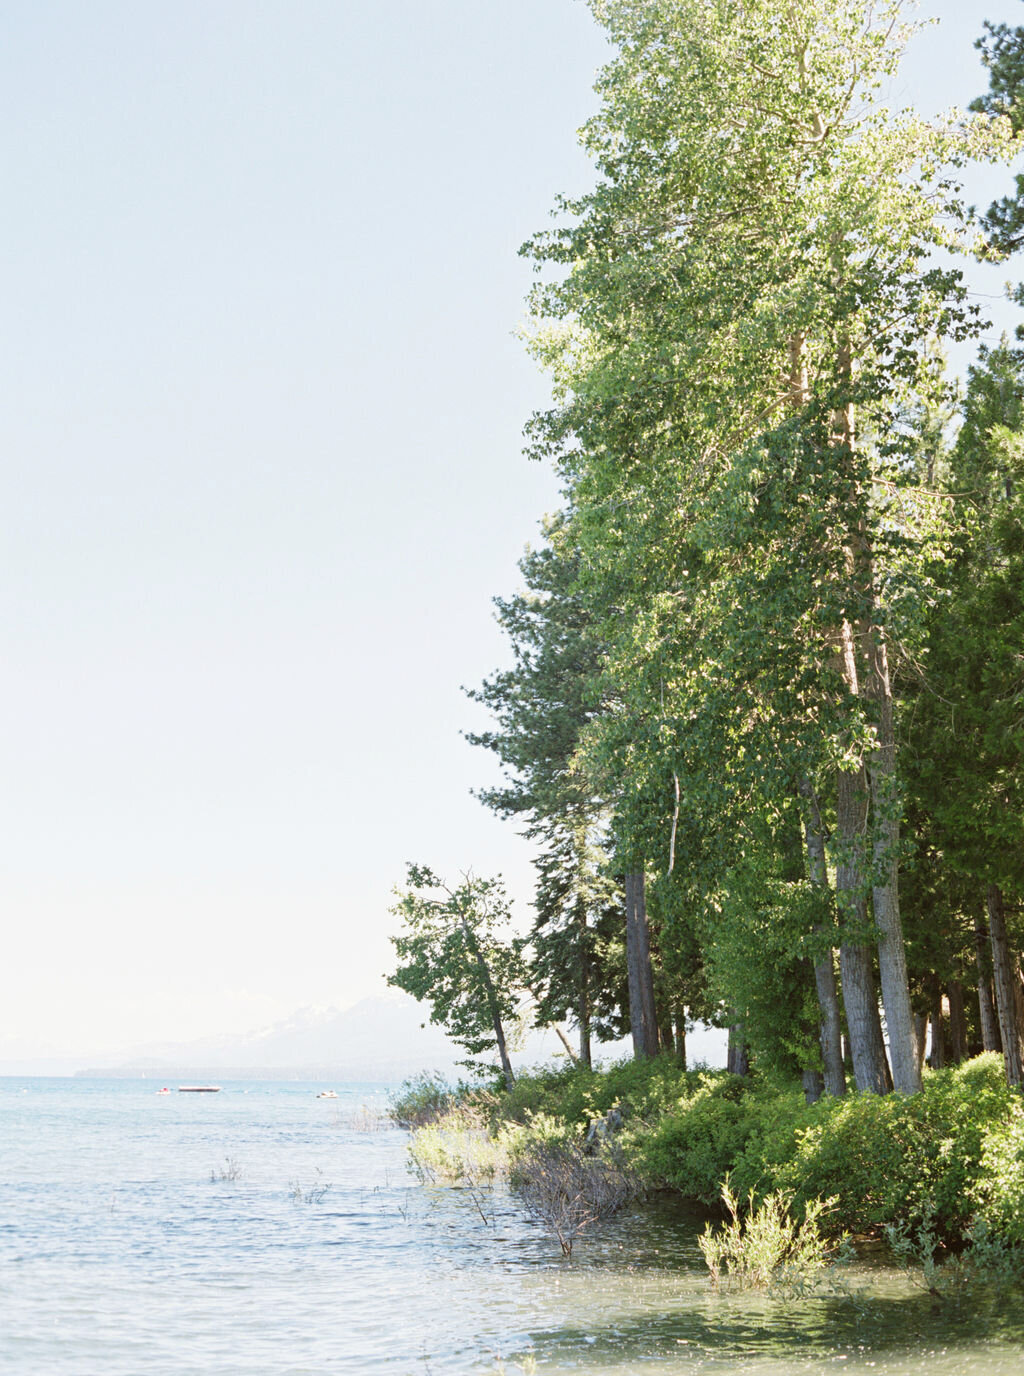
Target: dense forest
<point>764,715</point>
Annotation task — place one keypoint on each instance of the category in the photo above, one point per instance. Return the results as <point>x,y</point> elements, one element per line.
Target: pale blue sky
<point>261,431</point>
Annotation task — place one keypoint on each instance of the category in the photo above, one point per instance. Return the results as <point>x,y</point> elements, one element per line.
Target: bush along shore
<point>938,1176</point>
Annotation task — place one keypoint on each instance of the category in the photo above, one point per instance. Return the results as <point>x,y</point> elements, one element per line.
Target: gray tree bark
<point>920,1035</point>
<point>680,1026</point>
<point>814,1086</point>
<point>830,1023</point>
<point>583,998</point>
<point>884,871</point>
<point>892,953</point>
<point>1009,1000</point>
<point>856,966</point>
<point>642,1016</point>
<point>738,1057</point>
<point>990,1038</point>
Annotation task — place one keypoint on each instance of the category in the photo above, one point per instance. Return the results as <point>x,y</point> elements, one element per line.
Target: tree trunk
<point>738,1062</point>
<point>1009,1000</point>
<point>560,1033</point>
<point>584,1031</point>
<point>920,1036</point>
<point>860,999</point>
<point>814,1086</point>
<point>990,1038</point>
<point>892,953</point>
<point>646,971</point>
<point>643,1022</point>
<point>892,961</point>
<point>830,1023</point>
<point>957,1023</point>
<point>680,1028</point>
<point>938,1057</point>
<point>583,1000</point>
<point>492,1002</point>
<point>856,967</point>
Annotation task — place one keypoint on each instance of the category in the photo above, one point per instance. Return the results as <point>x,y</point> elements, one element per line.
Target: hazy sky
<point>261,476</point>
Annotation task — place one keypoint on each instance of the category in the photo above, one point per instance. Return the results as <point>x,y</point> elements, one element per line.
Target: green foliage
<point>903,1159</point>
<point>453,954</point>
<point>642,1090</point>
<point>772,568</point>
<point>760,940</point>
<point>420,1100</point>
<point>966,732</point>
<point>541,707</point>
<point>769,1246</point>
<point>459,1149</point>
<point>998,1193</point>
<point>756,258</point>
<point>945,1158</point>
<point>1002,49</point>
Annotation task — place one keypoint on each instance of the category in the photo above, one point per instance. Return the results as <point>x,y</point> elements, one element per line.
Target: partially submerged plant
<point>989,1262</point>
<point>769,1246</point>
<point>459,1149</point>
<point>299,1193</point>
<point>228,1173</point>
<point>567,1190</point>
<point>421,1100</point>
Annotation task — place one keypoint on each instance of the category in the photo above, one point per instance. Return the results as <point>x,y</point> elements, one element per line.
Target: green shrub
<point>999,1191</point>
<point>939,1160</point>
<point>901,1159</point>
<point>769,1246</point>
<point>642,1089</point>
<point>460,1149</point>
<point>698,1142</point>
<point>420,1100</point>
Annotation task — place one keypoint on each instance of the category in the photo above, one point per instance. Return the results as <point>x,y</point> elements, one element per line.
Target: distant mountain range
<point>384,1038</point>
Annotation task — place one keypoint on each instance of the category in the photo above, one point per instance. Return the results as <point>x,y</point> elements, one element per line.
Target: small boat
<point>327,1094</point>
<point>165,1090</point>
<point>199,1089</point>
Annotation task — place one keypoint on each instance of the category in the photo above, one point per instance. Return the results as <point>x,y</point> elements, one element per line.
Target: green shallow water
<point>120,1256</point>
<point>637,1299</point>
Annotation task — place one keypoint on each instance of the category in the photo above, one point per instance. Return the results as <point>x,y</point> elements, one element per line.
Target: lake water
<point>312,1250</point>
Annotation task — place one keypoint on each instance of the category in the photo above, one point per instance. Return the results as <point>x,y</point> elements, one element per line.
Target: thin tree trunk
<point>560,1033</point>
<point>830,1028</point>
<point>1008,992</point>
<point>920,1036</point>
<point>643,1022</point>
<point>492,1002</point>
<point>892,952</point>
<point>680,1029</point>
<point>957,1023</point>
<point>738,1058</point>
<point>584,1032</point>
<point>892,961</point>
<point>856,967</point>
<point>829,1020</point>
<point>583,1000</point>
<point>990,1038</point>
<point>646,969</point>
<point>938,1059</point>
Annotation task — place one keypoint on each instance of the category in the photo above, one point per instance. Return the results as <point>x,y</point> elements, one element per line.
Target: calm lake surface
<point>312,1250</point>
